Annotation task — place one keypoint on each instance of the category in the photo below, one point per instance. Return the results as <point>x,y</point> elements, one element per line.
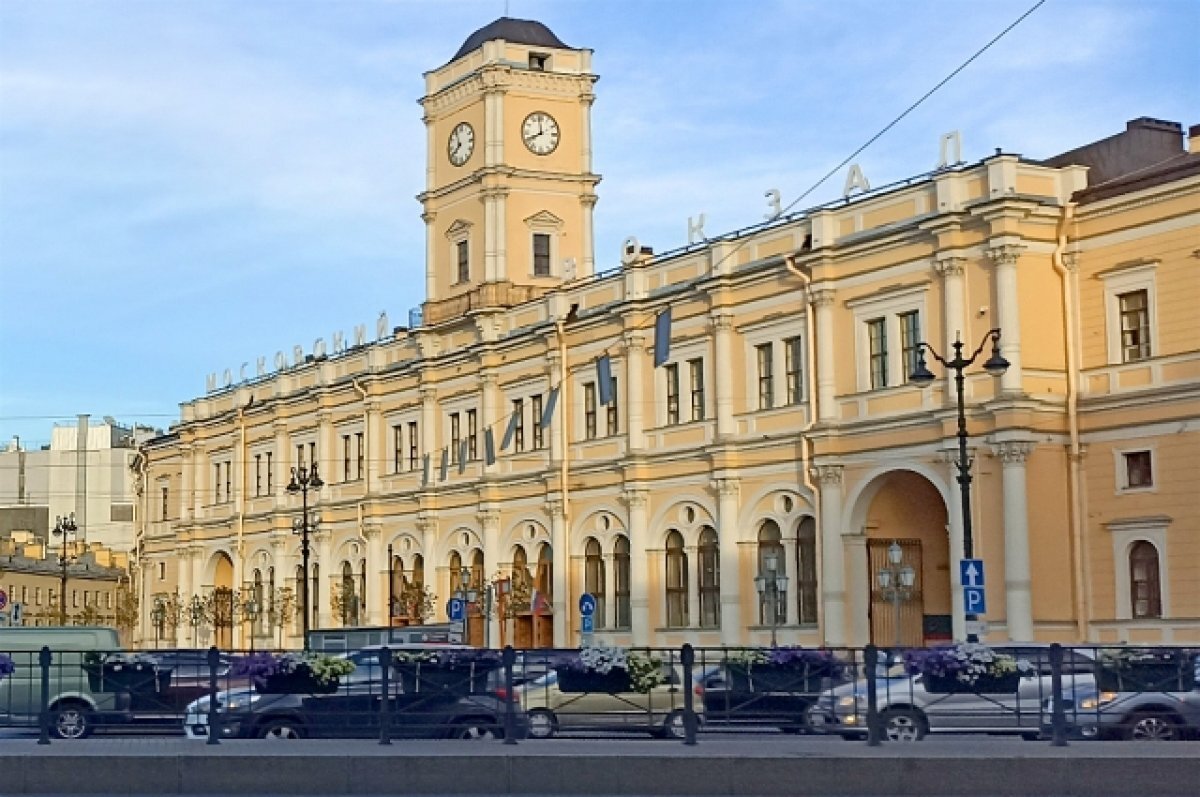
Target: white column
<point>1008,314</point>
<point>833,574</point>
<point>186,500</point>
<point>822,302</point>
<point>277,631</point>
<point>731,587</point>
<point>429,430</point>
<point>427,528</point>
<point>790,617</point>
<point>324,558</point>
<point>639,575</point>
<point>490,412</point>
<point>635,395</point>
<point>326,451</point>
<point>281,464</point>
<point>376,574</point>
<point>489,520</point>
<point>722,371</point>
<point>375,451</point>
<point>858,593</point>
<point>955,530</point>
<point>184,564</point>
<point>1017,578</point>
<point>953,301</point>
<point>562,560</point>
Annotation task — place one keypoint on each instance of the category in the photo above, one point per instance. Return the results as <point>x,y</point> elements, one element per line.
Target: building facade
<point>770,429</point>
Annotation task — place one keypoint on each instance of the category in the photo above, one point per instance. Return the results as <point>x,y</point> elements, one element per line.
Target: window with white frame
<point>777,359</point>
<point>472,435</point>
<point>535,422</point>
<point>882,321</point>
<point>459,237</point>
<point>397,447</point>
<point>613,414</point>
<point>541,254</point>
<point>518,422</point>
<point>764,359</point>
<point>1140,568</point>
<point>671,373</point>
<point>1135,469</point>
<point>793,365</point>
<point>1145,587</point>
<point>696,381</point>
<point>1130,311</point>
<point>414,446</point>
<point>455,436</point>
<point>544,230</point>
<point>589,411</point>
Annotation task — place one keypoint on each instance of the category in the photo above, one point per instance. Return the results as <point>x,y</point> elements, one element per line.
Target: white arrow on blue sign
<point>971,572</point>
<point>974,601</point>
<point>456,608</point>
<point>587,604</point>
<point>587,624</point>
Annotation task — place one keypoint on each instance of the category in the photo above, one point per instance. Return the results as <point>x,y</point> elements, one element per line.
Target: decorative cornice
<point>1012,452</point>
<point>489,518</point>
<point>951,266</point>
<point>727,487</point>
<point>827,475</point>
<point>821,297</point>
<point>1006,254</point>
<point>633,342</point>
<point>721,321</point>
<point>635,498</point>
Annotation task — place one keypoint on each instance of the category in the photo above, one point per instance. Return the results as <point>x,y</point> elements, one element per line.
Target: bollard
<point>871,661</point>
<point>385,709</point>
<point>44,722</point>
<point>214,727</point>
<point>1058,716</point>
<point>687,657</point>
<point>508,658</point>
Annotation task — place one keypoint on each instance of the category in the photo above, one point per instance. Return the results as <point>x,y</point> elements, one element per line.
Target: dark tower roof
<point>518,31</point>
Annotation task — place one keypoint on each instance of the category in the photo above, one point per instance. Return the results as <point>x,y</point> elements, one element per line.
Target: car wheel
<point>280,729</point>
<point>903,725</point>
<point>1149,727</point>
<point>71,721</point>
<point>673,726</point>
<point>542,724</point>
<point>477,729</point>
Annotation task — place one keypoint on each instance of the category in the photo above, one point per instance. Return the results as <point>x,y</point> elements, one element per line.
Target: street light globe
<point>895,553</point>
<point>885,578</point>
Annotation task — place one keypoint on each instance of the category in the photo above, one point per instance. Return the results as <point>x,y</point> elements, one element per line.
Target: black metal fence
<point>1032,691</point>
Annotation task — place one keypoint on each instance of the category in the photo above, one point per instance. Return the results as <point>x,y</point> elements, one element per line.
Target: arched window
<point>301,590</point>
<point>477,574</point>
<point>806,571</point>
<point>772,603</point>
<point>418,572</point>
<point>710,579</point>
<point>621,576</point>
<point>256,594</point>
<point>677,582</point>
<point>593,578</point>
<point>347,597</point>
<point>545,579</point>
<point>1145,591</point>
<point>268,609</point>
<point>520,571</point>
<point>455,572</point>
<point>315,605</point>
<point>396,588</point>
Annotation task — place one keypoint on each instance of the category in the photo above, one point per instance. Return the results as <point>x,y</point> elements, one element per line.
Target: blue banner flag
<point>513,420</point>
<point>489,446</point>
<point>425,470</point>
<point>462,455</point>
<point>445,463</point>
<point>604,378</point>
<point>548,412</point>
<point>662,337</point>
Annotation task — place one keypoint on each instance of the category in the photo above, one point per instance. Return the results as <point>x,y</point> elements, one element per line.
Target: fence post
<point>871,660</point>
<point>44,664</point>
<point>687,658</point>
<point>508,658</point>
<point>385,708</point>
<point>214,721</point>
<point>1058,716</point>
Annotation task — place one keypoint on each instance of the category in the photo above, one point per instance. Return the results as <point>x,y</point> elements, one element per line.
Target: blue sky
<point>185,186</point>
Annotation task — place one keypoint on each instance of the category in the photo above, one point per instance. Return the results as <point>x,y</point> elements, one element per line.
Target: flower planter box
<point>294,683</point>
<point>777,677</point>
<point>614,681</point>
<point>985,684</point>
<point>127,678</point>
<point>1147,677</point>
<point>457,679</point>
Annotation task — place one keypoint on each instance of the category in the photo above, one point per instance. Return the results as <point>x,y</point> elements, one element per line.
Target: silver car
<point>908,712</point>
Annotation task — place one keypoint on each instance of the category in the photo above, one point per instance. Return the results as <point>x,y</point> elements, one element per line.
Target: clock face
<point>461,144</point>
<point>539,131</point>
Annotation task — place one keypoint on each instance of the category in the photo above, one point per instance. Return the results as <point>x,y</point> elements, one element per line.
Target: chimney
<point>1194,140</point>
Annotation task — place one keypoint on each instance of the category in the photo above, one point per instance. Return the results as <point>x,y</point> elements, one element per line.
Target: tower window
<point>464,262</point>
<point>541,254</point>
<point>539,62</point>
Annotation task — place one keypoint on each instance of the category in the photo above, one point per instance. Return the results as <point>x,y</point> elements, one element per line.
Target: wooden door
<point>892,621</point>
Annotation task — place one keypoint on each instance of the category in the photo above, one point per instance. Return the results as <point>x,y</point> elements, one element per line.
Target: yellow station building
<point>780,429</point>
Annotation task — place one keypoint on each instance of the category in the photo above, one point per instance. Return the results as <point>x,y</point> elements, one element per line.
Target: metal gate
<point>897,615</point>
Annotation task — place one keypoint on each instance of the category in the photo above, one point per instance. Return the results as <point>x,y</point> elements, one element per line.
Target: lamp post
<point>251,610</point>
<point>770,586</point>
<point>64,527</point>
<point>391,571</point>
<point>303,480</point>
<point>196,611</point>
<point>896,583</point>
<point>468,595</point>
<point>995,365</point>
<point>158,616</point>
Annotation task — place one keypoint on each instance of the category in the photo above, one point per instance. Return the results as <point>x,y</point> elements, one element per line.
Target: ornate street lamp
<point>196,611</point>
<point>770,585</point>
<point>896,583</point>
<point>65,528</point>
<point>303,480</point>
<point>995,365</point>
<point>468,595</point>
<point>158,616</point>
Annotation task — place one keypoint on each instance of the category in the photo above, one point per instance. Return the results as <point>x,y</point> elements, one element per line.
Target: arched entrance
<point>223,604</point>
<point>905,508</point>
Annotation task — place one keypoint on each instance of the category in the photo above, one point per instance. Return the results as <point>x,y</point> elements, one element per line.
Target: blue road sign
<point>974,601</point>
<point>587,624</point>
<point>587,604</point>
<point>456,608</point>
<point>3,599</point>
<point>970,571</point>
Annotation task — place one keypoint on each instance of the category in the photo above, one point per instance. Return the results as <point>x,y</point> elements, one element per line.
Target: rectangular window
<point>1138,473</point>
<point>359,454</point>
<point>1135,325</point>
<point>257,474</point>
<point>299,456</point>
<point>877,338</point>
<point>464,263</point>
<point>535,422</point>
<point>414,453</point>
<point>518,408</point>
<point>765,357</point>
<point>165,503</point>
<point>614,416</point>
<point>589,411</point>
<point>910,337</point>
<point>472,435</point>
<point>345,457</point>
<point>793,358</point>
<point>541,254</point>
<point>397,446</point>
<point>217,482</point>
<point>696,380</point>
<point>455,436</point>
<point>312,456</point>
<point>537,62</point>
<point>228,481</point>
<point>270,473</point>
<point>162,571</point>
<point>672,374</point>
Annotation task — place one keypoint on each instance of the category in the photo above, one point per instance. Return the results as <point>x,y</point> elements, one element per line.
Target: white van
<point>75,707</point>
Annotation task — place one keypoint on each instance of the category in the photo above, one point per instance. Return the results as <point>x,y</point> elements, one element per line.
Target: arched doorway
<point>222,606</point>
<point>907,509</point>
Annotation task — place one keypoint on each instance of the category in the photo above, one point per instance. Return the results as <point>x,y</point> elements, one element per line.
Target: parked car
<point>552,709</point>
<point>353,711</point>
<point>189,680</point>
<point>909,711</point>
<point>1134,716</point>
<point>757,702</point>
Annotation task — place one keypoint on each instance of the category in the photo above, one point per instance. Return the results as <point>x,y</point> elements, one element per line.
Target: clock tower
<point>509,183</point>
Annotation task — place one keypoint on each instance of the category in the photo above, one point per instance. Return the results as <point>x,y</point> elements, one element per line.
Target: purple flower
<point>256,665</point>
<point>6,665</point>
<point>799,658</point>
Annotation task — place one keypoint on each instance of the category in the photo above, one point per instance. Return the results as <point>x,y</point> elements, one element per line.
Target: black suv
<point>353,711</point>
